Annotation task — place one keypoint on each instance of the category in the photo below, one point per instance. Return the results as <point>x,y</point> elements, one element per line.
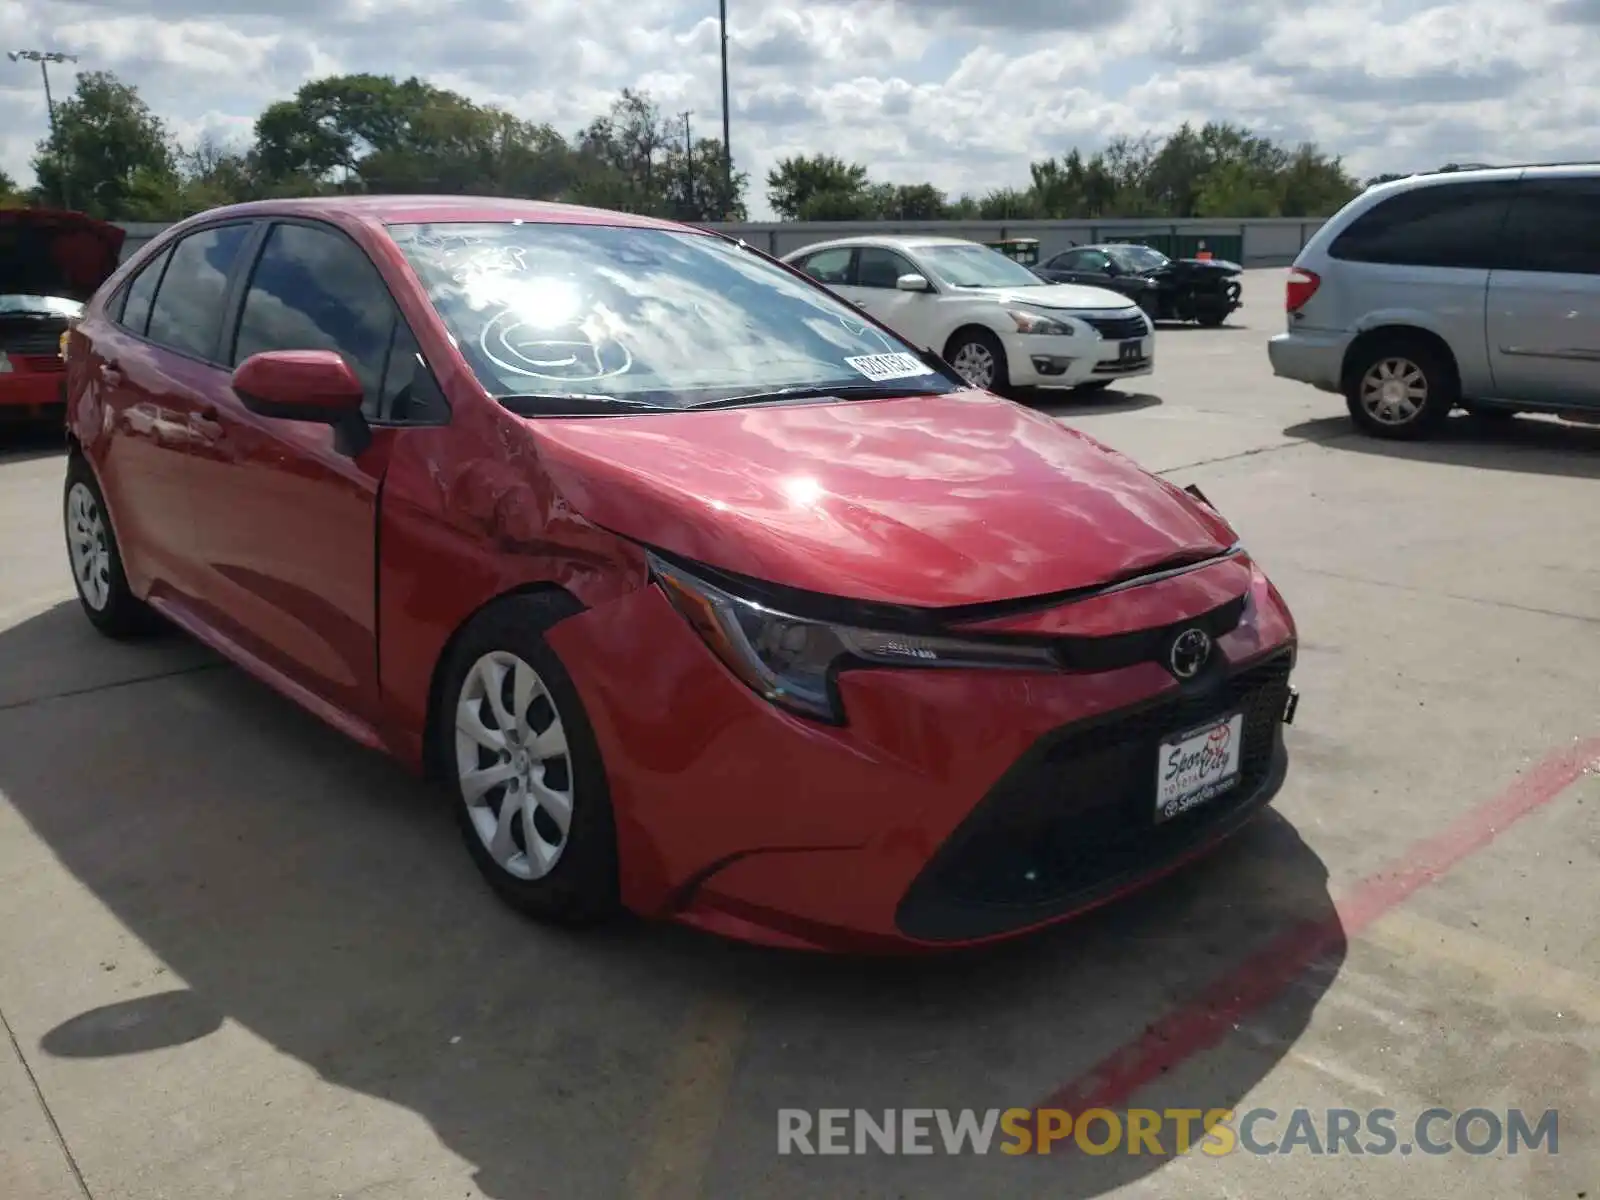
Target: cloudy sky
<point>960,92</point>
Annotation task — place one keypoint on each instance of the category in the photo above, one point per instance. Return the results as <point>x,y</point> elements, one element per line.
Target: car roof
<point>380,210</point>
<point>891,241</point>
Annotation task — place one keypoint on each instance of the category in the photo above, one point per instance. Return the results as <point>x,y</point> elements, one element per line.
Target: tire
<point>551,762</point>
<point>1400,388</point>
<point>1211,318</point>
<point>979,347</point>
<point>96,559</point>
<point>1095,385</point>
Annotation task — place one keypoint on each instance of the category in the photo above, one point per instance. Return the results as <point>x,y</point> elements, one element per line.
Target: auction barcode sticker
<point>881,367</point>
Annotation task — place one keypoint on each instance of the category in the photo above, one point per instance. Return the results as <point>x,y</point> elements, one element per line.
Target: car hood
<point>1054,295</point>
<point>925,501</point>
<point>48,253</point>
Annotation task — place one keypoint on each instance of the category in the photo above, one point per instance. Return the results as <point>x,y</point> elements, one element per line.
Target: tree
<point>800,187</point>
<point>10,194</point>
<point>108,154</point>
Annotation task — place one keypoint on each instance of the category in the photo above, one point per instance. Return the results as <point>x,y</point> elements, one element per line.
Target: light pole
<point>44,58</point>
<point>727,146</point>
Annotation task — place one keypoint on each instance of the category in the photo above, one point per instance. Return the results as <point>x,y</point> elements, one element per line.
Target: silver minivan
<point>1477,289</point>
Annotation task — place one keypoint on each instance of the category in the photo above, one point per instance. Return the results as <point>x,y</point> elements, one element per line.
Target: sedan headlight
<point>1032,322</point>
<point>793,661</point>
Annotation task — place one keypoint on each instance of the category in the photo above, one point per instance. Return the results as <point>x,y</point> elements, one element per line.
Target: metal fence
<point>1263,242</point>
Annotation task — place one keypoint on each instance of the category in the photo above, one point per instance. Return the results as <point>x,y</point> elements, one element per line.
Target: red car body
<point>340,575</point>
<point>45,254</point>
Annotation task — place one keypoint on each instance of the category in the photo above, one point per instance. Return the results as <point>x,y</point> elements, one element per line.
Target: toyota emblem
<point>1190,651</point>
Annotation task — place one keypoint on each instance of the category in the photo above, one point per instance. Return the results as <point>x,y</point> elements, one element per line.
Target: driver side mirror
<point>306,385</point>
<point>913,283</point>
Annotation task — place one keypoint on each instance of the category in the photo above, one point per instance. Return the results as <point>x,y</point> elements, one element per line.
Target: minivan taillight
<point>1302,286</point>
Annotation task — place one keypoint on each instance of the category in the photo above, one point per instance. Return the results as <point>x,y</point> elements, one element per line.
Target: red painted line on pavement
<point>1211,1016</point>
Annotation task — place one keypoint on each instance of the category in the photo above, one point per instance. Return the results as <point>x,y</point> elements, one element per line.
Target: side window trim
<point>212,361</point>
<point>239,290</point>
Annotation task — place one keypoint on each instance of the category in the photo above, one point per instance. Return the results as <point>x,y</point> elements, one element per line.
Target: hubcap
<point>1394,391</point>
<point>975,363</point>
<point>513,765</point>
<point>89,547</point>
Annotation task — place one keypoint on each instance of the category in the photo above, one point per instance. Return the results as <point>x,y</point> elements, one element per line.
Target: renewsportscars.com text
<point>1165,1132</point>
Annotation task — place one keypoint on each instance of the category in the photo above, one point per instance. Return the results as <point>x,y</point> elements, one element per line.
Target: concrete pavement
<point>241,957</point>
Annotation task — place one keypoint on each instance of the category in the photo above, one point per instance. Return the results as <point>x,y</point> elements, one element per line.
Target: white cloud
<point>960,92</point>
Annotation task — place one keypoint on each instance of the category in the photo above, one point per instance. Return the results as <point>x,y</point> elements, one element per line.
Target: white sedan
<point>992,319</point>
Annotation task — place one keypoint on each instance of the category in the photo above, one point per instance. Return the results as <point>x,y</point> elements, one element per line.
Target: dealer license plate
<point>1198,765</point>
<point>1130,352</point>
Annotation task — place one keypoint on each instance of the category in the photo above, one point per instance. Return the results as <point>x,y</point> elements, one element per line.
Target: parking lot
<point>240,956</point>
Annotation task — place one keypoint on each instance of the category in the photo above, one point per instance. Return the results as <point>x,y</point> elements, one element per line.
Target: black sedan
<point>1168,289</point>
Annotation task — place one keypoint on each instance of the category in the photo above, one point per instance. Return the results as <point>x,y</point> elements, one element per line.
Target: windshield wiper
<point>556,404</point>
<point>888,389</point>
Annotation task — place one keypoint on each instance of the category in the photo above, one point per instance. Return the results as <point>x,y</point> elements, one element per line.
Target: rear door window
<point>187,313</point>
<point>1555,226</point>
<point>829,266</point>
<point>1442,225</point>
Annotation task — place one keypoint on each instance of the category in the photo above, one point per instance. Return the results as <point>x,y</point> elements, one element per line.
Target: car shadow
<point>1194,327</point>
<point>311,892</point>
<point>1110,400</point>
<point>1535,445</point>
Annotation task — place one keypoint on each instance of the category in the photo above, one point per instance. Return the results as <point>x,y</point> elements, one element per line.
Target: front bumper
<point>734,816</point>
<point>31,383</point>
<point>1068,362</point>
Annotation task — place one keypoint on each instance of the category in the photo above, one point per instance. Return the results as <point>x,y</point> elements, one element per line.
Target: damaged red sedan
<point>702,594</point>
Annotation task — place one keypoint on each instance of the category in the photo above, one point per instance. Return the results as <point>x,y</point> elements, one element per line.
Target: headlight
<point>1031,322</point>
<point>792,661</point>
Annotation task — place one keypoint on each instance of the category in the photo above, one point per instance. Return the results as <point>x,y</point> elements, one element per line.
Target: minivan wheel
<point>516,750</point>
<point>1401,390</point>
<point>96,560</point>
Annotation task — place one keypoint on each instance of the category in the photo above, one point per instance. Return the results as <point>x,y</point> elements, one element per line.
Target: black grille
<point>1117,329</point>
<point>1075,817</point>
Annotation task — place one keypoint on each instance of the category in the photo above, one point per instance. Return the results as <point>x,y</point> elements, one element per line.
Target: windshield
<point>1136,258</point>
<point>52,306</point>
<point>644,317</point>
<point>973,265</point>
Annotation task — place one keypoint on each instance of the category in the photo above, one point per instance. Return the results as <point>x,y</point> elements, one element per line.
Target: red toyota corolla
<point>703,594</point>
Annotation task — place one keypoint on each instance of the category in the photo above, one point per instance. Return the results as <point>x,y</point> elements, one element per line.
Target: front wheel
<point>980,359</point>
<point>1400,389</point>
<point>96,559</point>
<point>517,751</point>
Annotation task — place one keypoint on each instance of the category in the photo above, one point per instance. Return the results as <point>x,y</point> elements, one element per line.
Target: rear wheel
<point>516,749</point>
<point>96,560</point>
<point>980,359</point>
<point>1400,388</point>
